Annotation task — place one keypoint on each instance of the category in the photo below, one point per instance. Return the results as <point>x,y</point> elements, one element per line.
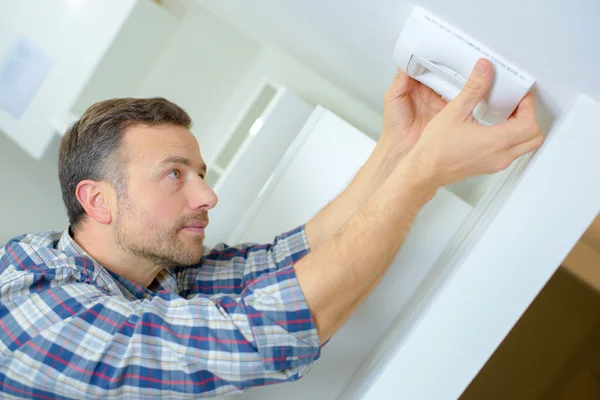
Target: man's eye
<point>174,174</point>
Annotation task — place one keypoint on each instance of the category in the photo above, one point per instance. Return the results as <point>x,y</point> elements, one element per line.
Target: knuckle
<point>539,140</point>
<point>501,163</point>
<point>498,162</point>
<point>534,127</point>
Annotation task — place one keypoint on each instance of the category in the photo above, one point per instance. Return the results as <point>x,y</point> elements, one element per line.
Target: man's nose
<point>203,196</point>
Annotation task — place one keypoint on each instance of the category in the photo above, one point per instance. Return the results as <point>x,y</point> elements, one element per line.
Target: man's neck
<point>101,246</point>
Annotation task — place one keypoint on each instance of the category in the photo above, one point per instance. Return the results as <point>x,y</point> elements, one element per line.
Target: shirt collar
<point>68,245</point>
<point>165,280</point>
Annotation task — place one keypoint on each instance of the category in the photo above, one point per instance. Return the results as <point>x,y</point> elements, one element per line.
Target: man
<point>127,302</point>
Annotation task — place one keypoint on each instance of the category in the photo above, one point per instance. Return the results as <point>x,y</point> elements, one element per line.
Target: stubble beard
<point>153,243</point>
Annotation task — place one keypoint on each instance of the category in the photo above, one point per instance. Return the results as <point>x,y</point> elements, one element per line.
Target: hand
<point>454,146</point>
<point>409,106</point>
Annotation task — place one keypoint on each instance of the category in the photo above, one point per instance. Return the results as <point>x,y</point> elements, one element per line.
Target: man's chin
<point>192,247</point>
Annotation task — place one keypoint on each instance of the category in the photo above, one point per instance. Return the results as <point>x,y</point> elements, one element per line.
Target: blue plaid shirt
<point>70,328</point>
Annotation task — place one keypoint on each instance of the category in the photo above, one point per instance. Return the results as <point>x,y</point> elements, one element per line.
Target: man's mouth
<point>199,224</point>
<point>196,227</point>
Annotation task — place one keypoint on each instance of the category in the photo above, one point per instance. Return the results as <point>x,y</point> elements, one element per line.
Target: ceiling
<point>350,42</point>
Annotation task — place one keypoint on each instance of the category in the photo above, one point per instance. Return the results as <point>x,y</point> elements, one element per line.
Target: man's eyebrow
<point>181,160</point>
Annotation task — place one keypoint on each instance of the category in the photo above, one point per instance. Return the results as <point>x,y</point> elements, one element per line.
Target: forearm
<point>372,174</point>
<point>339,275</point>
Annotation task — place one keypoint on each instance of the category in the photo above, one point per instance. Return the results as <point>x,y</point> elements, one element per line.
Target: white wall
<point>350,43</point>
<point>555,41</point>
<point>31,199</point>
<point>74,34</point>
<point>284,70</point>
<point>200,67</point>
<point>135,50</point>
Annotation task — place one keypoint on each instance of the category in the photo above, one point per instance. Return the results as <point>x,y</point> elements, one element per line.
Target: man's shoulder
<point>44,238</point>
<point>30,252</point>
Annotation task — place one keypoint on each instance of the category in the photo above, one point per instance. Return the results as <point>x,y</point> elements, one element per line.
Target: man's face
<point>162,214</point>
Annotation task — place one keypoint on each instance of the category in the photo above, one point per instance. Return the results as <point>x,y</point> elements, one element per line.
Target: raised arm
<point>408,107</point>
<point>338,275</point>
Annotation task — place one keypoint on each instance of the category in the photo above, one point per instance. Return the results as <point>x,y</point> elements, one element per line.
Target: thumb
<point>399,85</point>
<point>476,87</point>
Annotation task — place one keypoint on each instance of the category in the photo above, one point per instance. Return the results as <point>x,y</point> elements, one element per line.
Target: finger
<point>526,147</point>
<point>522,126</point>
<point>524,109</point>
<point>476,87</point>
<point>400,85</point>
<point>433,101</point>
<point>400,78</point>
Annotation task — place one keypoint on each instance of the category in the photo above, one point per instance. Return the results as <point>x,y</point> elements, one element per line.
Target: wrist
<point>381,163</point>
<point>386,156</point>
<point>391,147</point>
<point>417,175</point>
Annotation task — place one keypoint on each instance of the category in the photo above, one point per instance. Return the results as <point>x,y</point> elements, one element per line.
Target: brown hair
<point>91,147</point>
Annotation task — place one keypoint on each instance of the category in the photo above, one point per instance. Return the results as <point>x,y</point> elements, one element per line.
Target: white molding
<point>230,131</point>
<point>271,182</point>
<point>283,119</point>
<point>249,139</point>
<point>217,169</point>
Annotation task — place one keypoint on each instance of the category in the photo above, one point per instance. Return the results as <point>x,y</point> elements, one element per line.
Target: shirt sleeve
<point>228,269</point>
<point>77,341</point>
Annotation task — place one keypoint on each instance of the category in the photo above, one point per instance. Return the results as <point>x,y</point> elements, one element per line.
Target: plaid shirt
<point>70,328</point>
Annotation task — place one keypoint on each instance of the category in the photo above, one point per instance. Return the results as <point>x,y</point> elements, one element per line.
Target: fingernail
<point>480,67</point>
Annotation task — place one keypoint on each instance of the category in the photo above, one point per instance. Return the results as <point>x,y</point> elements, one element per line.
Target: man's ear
<point>94,199</point>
